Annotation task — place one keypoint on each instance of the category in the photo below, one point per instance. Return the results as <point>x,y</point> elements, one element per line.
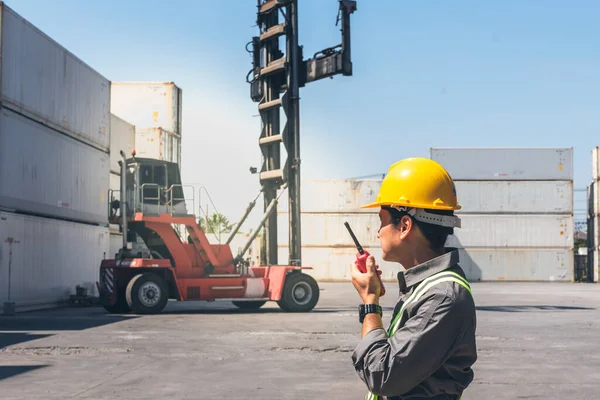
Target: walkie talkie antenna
<point>358,246</point>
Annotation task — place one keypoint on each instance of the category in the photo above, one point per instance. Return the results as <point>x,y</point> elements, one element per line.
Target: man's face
<point>393,236</point>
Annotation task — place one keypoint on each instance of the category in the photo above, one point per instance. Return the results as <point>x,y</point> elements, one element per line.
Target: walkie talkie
<point>361,258</point>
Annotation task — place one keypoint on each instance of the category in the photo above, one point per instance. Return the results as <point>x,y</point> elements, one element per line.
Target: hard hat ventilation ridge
<point>449,221</point>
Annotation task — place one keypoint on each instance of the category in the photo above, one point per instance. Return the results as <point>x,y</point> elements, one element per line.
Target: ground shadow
<point>531,308</point>
<point>51,320</point>
<point>8,371</point>
<point>12,338</point>
<point>59,323</point>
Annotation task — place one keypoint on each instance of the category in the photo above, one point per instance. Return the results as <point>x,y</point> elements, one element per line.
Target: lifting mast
<point>275,85</point>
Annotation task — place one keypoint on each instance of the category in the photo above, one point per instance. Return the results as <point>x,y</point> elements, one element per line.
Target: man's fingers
<point>371,267</point>
<point>354,268</point>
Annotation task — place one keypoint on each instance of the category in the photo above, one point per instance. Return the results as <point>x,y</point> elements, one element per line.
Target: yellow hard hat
<point>417,183</point>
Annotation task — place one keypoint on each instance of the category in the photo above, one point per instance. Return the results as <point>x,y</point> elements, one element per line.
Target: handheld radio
<point>361,258</point>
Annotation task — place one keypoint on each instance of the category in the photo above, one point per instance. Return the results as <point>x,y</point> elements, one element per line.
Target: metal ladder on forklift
<point>275,84</point>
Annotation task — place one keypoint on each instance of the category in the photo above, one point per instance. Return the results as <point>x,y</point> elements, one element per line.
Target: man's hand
<point>367,284</point>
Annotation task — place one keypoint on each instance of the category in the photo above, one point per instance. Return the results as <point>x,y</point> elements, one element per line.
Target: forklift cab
<point>153,187</point>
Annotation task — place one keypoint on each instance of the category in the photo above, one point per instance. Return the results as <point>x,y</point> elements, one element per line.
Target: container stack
<point>594,216</point>
<point>155,110</point>
<point>517,212</point>
<point>122,138</point>
<point>54,168</point>
<point>326,244</point>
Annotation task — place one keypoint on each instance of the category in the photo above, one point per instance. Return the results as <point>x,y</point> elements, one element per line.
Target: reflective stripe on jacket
<point>429,348</point>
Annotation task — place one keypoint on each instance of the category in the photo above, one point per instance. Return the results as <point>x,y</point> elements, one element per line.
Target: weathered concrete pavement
<point>535,341</point>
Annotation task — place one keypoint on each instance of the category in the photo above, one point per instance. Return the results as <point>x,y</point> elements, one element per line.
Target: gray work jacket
<point>431,353</point>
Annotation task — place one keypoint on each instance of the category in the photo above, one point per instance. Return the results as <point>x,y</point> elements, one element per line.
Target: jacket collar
<point>413,276</point>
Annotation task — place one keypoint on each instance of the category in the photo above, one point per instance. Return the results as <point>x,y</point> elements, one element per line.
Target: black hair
<point>436,235</point>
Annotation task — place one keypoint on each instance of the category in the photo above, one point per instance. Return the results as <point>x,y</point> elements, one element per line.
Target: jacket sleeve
<point>394,366</point>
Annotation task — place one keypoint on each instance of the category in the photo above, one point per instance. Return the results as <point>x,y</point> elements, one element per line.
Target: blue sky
<point>426,74</point>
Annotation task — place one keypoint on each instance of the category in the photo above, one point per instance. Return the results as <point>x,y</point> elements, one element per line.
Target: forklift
<point>156,264</point>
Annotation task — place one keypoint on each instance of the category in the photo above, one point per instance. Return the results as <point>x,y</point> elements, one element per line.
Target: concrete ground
<point>535,341</point>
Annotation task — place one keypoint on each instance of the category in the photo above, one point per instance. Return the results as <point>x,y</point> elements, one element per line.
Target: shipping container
<point>506,163</point>
<point>347,196</point>
<point>593,206</point>
<point>333,264</point>
<point>115,183</point>
<point>516,197</point>
<point>49,259</point>
<point>44,81</point>
<point>48,173</point>
<point>157,143</point>
<point>115,243</point>
<point>332,196</point>
<point>148,104</point>
<point>122,138</point>
<point>476,231</point>
<point>529,264</point>
<point>594,259</point>
<point>514,231</point>
<point>329,230</point>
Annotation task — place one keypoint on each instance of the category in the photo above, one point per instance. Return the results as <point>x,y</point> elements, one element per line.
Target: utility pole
<point>275,85</point>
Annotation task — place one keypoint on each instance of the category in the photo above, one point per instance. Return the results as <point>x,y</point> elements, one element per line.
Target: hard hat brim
<point>430,207</point>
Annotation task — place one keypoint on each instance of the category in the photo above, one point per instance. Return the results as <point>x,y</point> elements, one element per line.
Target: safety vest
<point>444,276</point>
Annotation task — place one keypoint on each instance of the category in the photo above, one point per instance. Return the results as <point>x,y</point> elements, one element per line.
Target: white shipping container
<point>157,143</point>
<point>46,82</point>
<point>332,196</point>
<point>148,104</point>
<point>506,163</point>
<point>593,199</point>
<point>47,173</point>
<point>508,264</point>
<point>595,263</point>
<point>329,229</point>
<point>115,183</point>
<point>333,264</point>
<point>49,259</point>
<point>115,243</point>
<point>343,196</point>
<point>514,231</point>
<point>522,197</point>
<point>477,230</point>
<point>122,138</point>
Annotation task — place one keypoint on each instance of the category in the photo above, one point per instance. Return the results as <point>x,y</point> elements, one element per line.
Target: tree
<point>217,223</point>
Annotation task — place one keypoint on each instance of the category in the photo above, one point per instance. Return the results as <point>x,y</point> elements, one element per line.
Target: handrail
<point>206,214</point>
<point>151,198</point>
<point>172,198</point>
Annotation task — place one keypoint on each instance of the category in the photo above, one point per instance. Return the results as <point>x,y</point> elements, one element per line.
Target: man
<point>429,348</point>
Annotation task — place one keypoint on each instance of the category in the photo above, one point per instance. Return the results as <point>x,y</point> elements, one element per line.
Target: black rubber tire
<point>135,285</point>
<point>296,280</point>
<point>120,306</point>
<point>249,305</point>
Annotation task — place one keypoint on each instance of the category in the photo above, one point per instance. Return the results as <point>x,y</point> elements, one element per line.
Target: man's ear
<point>405,225</point>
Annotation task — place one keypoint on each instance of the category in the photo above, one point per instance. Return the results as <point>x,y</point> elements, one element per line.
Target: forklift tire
<point>147,293</point>
<point>300,293</point>
<point>249,305</point>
